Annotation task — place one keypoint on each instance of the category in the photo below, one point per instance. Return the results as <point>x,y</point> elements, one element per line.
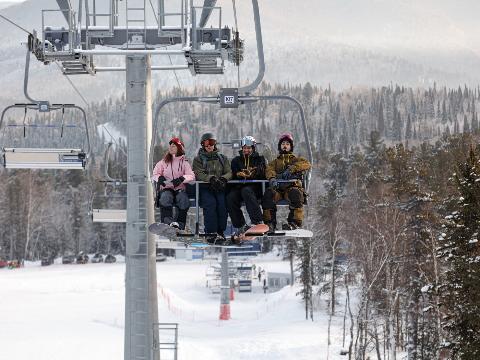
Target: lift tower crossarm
<point>131,52</point>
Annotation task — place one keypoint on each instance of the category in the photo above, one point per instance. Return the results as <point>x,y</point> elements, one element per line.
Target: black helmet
<point>206,136</point>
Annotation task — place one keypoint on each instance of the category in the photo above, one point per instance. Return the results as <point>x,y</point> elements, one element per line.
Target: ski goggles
<point>248,142</point>
<point>210,142</point>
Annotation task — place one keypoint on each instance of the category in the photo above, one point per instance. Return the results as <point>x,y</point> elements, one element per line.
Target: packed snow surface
<point>77,312</point>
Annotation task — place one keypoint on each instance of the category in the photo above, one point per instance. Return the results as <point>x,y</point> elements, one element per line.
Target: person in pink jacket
<point>171,174</point>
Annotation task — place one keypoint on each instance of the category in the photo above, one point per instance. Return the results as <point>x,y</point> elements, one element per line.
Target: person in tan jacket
<point>286,166</point>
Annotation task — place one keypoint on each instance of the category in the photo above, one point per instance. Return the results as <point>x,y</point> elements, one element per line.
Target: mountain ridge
<point>329,52</point>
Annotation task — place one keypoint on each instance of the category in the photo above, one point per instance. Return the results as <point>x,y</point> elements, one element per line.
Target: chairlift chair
<point>102,210</point>
<point>32,157</point>
<point>108,214</point>
<point>233,98</point>
<point>234,144</point>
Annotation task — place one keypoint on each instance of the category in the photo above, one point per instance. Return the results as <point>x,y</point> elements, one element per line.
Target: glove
<point>246,173</point>
<point>178,181</point>
<point>243,174</point>
<point>223,183</point>
<point>273,183</point>
<point>287,174</point>
<point>161,181</point>
<point>217,184</point>
<point>214,183</point>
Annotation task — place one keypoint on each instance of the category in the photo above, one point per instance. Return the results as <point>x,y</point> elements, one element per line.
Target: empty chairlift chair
<point>103,211</point>
<point>110,207</point>
<point>49,137</point>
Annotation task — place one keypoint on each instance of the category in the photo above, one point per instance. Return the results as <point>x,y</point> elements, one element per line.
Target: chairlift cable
<point>73,85</point>
<point>174,71</point>
<point>154,13</point>
<point>115,141</point>
<point>13,23</point>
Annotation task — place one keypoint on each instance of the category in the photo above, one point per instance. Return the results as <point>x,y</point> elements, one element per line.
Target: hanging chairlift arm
<point>206,12</point>
<point>108,178</point>
<point>25,78</point>
<point>261,59</point>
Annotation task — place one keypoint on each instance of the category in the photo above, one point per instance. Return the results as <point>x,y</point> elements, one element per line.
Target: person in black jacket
<point>248,165</point>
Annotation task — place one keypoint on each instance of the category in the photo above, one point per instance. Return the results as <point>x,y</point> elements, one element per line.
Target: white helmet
<point>248,141</point>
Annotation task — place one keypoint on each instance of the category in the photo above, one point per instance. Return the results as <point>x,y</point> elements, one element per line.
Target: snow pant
<point>214,210</point>
<point>295,198</point>
<point>170,198</point>
<point>246,194</point>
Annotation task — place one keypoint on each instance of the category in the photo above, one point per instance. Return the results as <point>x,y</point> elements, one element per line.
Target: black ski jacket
<point>249,168</point>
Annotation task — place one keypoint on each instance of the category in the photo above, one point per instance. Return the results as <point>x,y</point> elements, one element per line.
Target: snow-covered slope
<point>76,312</point>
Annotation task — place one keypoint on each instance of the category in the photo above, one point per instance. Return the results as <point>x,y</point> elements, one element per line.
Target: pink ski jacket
<point>178,167</point>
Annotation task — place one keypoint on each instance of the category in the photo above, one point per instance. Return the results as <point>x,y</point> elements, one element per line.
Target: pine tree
<point>408,129</point>
<point>466,126</point>
<point>461,253</point>
<point>381,119</point>
<point>329,211</point>
<point>444,113</point>
<point>397,126</point>
<point>374,151</point>
<point>305,267</point>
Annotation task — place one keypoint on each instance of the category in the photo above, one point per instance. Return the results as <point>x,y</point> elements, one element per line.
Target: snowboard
<point>163,230</point>
<point>298,233</point>
<point>174,234</point>
<point>256,231</point>
<point>252,233</point>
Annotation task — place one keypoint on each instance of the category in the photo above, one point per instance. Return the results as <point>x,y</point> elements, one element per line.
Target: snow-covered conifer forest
<point>393,205</point>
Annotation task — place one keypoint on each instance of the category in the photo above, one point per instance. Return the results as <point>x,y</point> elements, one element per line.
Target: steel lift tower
<point>121,28</point>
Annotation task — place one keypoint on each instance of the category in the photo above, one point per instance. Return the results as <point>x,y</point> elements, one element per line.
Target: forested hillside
<point>338,123</point>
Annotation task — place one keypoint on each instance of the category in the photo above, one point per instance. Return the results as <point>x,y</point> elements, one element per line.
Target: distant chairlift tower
<point>123,29</point>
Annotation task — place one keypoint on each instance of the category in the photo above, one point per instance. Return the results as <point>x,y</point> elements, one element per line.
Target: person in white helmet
<point>248,165</point>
